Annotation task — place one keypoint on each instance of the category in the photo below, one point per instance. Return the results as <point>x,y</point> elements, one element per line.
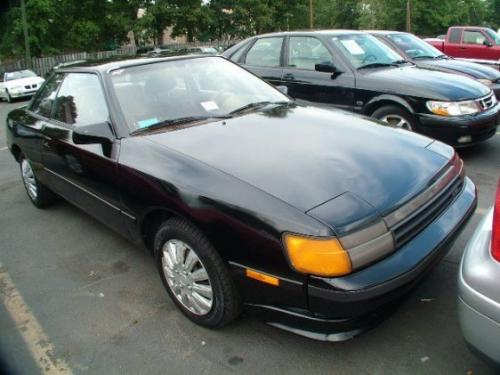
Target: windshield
<point>414,47</point>
<point>494,36</point>
<point>365,50</point>
<point>19,75</point>
<point>167,91</point>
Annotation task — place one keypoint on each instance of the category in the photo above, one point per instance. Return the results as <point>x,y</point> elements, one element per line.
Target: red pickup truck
<point>476,43</point>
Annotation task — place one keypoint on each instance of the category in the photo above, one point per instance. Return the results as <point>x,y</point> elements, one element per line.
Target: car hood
<point>471,69</point>
<point>306,156</point>
<point>23,82</point>
<point>421,83</point>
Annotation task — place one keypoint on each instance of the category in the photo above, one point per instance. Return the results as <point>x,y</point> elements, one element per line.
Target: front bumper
<point>479,295</point>
<point>340,308</point>
<point>452,130</point>
<point>22,93</point>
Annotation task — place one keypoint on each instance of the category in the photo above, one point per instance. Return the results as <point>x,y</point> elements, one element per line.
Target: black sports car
<point>316,219</point>
<point>424,55</point>
<point>355,71</point>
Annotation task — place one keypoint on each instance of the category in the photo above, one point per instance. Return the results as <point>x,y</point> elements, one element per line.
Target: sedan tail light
<point>495,239</point>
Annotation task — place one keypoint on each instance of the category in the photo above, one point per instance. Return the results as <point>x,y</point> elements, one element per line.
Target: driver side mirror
<point>100,133</point>
<point>327,68</point>
<point>487,43</point>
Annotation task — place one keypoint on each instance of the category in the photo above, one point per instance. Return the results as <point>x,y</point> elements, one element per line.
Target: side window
<point>42,102</point>
<point>265,52</point>
<point>236,56</point>
<point>455,35</point>
<point>305,52</point>
<point>474,37</point>
<point>80,100</point>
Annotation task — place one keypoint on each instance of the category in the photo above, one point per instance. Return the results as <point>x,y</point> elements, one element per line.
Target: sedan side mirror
<point>328,68</point>
<point>487,43</point>
<point>100,133</point>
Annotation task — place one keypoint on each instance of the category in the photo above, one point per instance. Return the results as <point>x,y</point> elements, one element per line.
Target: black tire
<point>226,305</point>
<point>384,112</point>
<point>43,197</point>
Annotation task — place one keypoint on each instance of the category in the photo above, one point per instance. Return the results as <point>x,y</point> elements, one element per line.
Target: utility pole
<point>26,36</point>
<point>311,17</point>
<point>408,16</point>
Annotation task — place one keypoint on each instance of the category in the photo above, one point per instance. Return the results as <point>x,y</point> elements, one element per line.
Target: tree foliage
<point>74,25</point>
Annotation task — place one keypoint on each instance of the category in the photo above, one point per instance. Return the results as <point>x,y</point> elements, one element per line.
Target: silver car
<point>479,286</point>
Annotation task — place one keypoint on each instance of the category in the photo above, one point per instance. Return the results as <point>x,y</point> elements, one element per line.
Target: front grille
<point>414,224</point>
<point>487,102</point>
<point>28,87</point>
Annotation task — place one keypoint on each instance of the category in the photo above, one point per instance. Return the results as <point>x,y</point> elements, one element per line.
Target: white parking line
<point>3,148</point>
<point>29,328</point>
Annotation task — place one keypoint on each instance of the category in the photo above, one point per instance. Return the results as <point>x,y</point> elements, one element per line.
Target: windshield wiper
<point>441,57</point>
<point>399,62</point>
<point>255,105</point>
<point>375,65</point>
<point>177,121</point>
<point>425,57</point>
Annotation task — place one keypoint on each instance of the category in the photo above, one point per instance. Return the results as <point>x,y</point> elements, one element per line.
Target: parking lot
<point>76,297</point>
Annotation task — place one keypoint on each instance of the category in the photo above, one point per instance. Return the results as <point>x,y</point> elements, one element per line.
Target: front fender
<point>387,99</point>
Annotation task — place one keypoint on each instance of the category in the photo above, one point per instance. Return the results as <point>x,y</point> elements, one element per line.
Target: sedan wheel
<point>194,274</point>
<point>187,277</point>
<point>39,195</point>
<point>29,179</point>
<point>395,116</point>
<point>397,121</point>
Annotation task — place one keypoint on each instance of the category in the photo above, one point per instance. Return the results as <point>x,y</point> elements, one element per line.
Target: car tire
<point>395,116</point>
<point>194,275</point>
<point>38,194</point>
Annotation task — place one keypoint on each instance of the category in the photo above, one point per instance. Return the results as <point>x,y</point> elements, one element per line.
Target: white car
<point>19,84</point>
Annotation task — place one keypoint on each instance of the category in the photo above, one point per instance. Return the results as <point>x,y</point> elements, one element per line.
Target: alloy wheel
<point>397,121</point>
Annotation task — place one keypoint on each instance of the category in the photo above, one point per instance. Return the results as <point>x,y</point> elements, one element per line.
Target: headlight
<point>317,256</point>
<point>486,82</point>
<point>468,107</point>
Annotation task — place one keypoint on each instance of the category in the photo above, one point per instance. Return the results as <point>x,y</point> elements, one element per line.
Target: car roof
<point>313,32</point>
<point>384,32</point>
<point>105,66</point>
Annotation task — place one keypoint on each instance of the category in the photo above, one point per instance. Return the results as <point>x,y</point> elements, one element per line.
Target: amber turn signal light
<point>317,256</point>
<point>262,277</point>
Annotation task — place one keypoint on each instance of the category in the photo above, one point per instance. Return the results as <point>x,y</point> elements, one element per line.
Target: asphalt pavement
<point>77,298</point>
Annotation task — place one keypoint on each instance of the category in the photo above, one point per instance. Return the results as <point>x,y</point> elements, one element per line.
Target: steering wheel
<point>369,58</point>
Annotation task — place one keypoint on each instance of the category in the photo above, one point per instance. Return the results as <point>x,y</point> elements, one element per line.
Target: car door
<point>453,45</point>
<point>84,174</point>
<point>473,45</point>
<point>264,59</point>
<point>308,85</point>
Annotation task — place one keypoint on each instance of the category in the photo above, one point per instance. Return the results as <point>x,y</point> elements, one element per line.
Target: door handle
<point>288,77</point>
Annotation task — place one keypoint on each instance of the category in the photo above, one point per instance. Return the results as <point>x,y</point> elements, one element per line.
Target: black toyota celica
<point>314,219</point>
